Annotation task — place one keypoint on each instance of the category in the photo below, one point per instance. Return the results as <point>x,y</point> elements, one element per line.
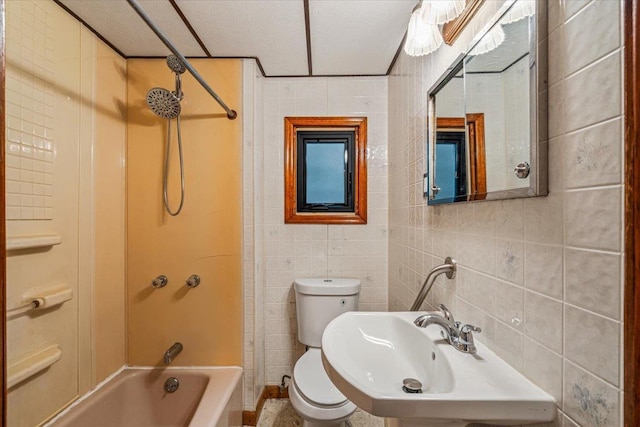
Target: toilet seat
<point>312,381</point>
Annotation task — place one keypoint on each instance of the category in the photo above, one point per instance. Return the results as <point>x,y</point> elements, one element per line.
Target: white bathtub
<point>135,397</point>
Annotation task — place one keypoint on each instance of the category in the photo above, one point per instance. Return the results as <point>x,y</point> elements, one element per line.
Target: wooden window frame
<point>291,127</point>
<point>477,189</point>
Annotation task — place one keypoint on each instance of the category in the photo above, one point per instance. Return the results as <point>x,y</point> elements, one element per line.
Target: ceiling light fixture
<point>520,10</point>
<point>491,40</point>
<point>441,11</point>
<point>423,34</point>
<point>422,38</point>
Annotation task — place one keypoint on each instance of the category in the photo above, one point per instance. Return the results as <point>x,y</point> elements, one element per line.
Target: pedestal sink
<point>368,355</point>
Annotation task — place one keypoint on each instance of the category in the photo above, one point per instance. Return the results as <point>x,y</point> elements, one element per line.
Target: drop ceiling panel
<point>356,37</point>
<point>272,30</point>
<point>117,22</point>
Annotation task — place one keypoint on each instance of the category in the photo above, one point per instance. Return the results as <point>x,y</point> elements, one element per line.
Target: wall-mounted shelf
<point>33,241</point>
<point>33,364</point>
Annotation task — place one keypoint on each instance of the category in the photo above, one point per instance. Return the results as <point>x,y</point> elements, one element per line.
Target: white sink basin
<point>368,355</point>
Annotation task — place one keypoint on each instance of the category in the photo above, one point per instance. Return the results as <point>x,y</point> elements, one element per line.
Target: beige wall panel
<point>206,237</point>
<point>43,45</point>
<point>109,187</point>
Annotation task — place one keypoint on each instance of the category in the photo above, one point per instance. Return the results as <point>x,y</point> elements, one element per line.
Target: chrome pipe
<point>449,267</point>
<point>172,352</point>
<point>231,114</point>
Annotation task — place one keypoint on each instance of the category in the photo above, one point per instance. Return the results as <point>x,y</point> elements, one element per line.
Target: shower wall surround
<point>204,239</point>
<point>541,276</point>
<point>65,175</point>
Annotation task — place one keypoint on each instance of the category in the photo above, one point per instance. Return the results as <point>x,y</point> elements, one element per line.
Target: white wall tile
<point>601,227</point>
<point>543,320</point>
<point>292,251</point>
<point>593,281</point>
<point>588,400</point>
<point>543,269</point>
<point>593,343</point>
<point>544,368</point>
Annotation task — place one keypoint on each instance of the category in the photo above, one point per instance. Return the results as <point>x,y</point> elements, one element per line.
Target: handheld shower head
<point>163,103</point>
<point>175,64</point>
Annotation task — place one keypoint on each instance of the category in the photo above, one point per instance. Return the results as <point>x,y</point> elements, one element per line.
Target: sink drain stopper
<point>411,385</point>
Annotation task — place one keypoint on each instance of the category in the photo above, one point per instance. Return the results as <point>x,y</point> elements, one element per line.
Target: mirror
<point>486,123</point>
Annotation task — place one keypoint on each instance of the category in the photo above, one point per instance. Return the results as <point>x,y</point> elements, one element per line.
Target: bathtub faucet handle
<point>173,351</point>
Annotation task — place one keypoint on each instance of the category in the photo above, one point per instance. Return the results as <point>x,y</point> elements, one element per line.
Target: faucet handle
<point>465,338</point>
<point>464,329</point>
<point>446,313</point>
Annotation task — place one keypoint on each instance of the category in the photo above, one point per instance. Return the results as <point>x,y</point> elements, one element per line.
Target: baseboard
<point>250,418</point>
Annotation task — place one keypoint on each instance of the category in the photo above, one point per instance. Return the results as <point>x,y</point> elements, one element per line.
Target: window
<point>325,170</point>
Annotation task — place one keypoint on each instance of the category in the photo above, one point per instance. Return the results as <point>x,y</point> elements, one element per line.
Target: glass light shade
<point>422,38</point>
<point>490,41</point>
<point>520,10</point>
<point>438,12</point>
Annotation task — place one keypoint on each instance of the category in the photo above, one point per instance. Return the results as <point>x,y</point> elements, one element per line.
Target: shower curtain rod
<point>231,114</point>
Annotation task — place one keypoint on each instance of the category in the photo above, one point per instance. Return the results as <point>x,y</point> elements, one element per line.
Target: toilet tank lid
<point>327,286</point>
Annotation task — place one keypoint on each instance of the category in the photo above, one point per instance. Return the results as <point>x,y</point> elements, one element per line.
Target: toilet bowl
<point>312,394</point>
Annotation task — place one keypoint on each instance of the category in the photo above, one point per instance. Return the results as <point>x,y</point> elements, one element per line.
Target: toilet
<point>312,394</point>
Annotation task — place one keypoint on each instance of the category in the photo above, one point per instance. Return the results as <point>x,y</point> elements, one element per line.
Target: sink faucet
<point>448,267</point>
<point>458,335</point>
<point>173,351</point>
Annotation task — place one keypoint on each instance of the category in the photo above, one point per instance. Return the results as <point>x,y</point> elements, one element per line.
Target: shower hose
<point>165,177</point>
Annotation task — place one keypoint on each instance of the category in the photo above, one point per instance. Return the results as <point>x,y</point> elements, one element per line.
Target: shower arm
<point>231,114</point>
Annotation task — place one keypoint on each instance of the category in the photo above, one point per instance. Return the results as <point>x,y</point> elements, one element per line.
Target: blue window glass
<point>325,175</point>
<point>326,168</point>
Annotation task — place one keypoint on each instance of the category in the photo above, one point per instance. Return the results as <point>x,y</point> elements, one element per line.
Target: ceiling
<point>287,37</point>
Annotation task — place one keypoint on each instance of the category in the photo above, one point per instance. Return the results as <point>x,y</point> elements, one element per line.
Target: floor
<point>280,413</point>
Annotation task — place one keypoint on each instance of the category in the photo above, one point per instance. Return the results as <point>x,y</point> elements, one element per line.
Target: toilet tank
<point>319,301</point>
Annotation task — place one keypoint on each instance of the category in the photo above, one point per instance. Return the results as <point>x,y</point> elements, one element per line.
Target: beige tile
<point>593,156</point>
<point>601,102</point>
<point>567,422</point>
<point>557,100</point>
<point>509,305</point>
<point>510,261</point>
<point>509,219</point>
<point>543,320</point>
<point>467,313</point>
<point>601,227</point>
<point>588,400</point>
<point>478,289</point>
<point>509,345</point>
<point>593,342</point>
<point>593,281</point>
<point>477,252</point>
<point>543,269</point>
<point>557,55</point>
<point>543,219</point>
<point>600,18</point>
<point>544,368</point>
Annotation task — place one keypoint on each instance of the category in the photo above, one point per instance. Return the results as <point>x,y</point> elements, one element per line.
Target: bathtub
<point>135,397</point>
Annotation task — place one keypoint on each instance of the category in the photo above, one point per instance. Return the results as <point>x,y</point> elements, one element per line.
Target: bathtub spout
<point>173,351</point>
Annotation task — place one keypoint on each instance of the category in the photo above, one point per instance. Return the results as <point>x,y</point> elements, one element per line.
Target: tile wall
<point>542,276</point>
<point>253,234</point>
<point>299,250</point>
<point>30,115</point>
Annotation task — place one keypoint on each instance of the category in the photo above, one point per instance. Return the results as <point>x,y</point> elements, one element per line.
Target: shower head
<point>163,103</point>
<point>175,64</point>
